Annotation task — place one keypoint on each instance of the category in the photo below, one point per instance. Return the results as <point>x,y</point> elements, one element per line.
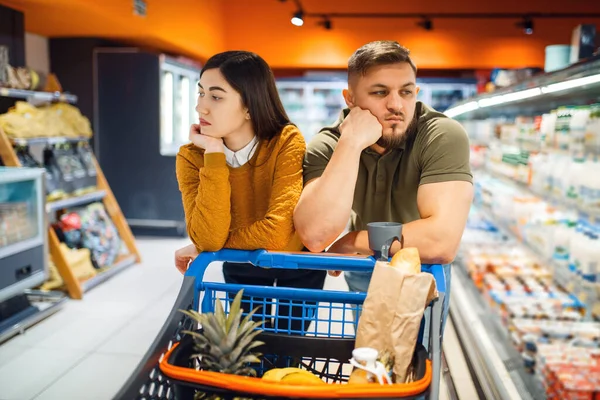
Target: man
<point>389,158</point>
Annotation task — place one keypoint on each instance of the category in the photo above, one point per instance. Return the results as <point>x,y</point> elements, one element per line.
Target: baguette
<point>407,260</point>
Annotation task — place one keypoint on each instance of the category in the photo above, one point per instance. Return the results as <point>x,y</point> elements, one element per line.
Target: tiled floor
<point>90,347</point>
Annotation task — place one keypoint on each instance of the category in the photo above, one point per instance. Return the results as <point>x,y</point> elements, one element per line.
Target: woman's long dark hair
<point>253,79</point>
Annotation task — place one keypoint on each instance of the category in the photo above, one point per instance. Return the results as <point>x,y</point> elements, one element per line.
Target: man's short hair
<point>381,52</point>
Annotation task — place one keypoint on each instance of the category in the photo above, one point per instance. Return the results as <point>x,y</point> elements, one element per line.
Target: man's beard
<point>396,139</point>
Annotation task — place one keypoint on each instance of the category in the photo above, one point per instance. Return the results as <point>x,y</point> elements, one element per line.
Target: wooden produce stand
<point>75,287</point>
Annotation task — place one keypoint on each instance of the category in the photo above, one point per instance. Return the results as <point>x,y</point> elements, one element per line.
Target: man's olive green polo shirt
<point>386,187</point>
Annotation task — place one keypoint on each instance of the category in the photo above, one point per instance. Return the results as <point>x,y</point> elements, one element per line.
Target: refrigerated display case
<point>22,230</point>
<point>23,251</point>
<point>178,92</point>
<point>528,301</point>
<point>441,93</point>
<point>313,104</point>
<point>140,130</point>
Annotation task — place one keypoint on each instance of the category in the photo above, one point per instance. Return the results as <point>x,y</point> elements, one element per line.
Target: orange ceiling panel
<point>200,28</point>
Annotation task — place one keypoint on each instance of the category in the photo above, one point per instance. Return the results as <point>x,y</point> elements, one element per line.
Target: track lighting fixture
<point>326,23</point>
<point>426,20</point>
<point>298,18</point>
<point>426,24</point>
<point>527,25</point>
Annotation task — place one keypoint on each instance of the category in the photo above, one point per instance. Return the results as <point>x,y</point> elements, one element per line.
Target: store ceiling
<point>199,28</point>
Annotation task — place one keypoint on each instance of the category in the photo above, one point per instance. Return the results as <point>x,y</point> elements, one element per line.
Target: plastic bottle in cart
<point>366,367</point>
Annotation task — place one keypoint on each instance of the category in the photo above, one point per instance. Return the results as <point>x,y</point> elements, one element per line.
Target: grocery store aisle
<point>90,347</point>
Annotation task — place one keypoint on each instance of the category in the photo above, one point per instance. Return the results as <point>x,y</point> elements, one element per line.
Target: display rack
<point>496,363</point>
<point>576,84</point>
<point>23,252</point>
<point>587,292</point>
<point>488,343</point>
<point>34,96</point>
<point>75,287</point>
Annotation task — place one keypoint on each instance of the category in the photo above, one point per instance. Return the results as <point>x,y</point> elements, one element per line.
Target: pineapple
<point>225,343</point>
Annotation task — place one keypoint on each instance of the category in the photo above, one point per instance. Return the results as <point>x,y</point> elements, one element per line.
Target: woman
<point>241,175</point>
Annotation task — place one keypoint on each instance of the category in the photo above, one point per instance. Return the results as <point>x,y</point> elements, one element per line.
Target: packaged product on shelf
<point>100,235</point>
<point>70,226</point>
<point>54,174</point>
<point>55,120</point>
<point>73,123</point>
<point>86,156</point>
<point>592,131</point>
<point>22,121</point>
<point>15,222</point>
<point>590,185</point>
<point>54,190</point>
<point>562,127</point>
<point>51,163</point>
<point>79,261</point>
<point>90,227</point>
<point>577,131</point>
<point>569,372</point>
<point>71,168</point>
<point>548,129</point>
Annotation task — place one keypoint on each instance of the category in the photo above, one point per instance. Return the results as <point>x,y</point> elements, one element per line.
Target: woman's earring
<point>247,116</point>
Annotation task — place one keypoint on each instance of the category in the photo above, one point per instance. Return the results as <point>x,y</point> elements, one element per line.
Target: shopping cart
<point>323,347</point>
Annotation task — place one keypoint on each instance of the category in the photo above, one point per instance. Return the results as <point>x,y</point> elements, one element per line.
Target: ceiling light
<point>527,25</point>
<point>298,18</point>
<point>463,108</point>
<point>509,97</point>
<point>573,83</point>
<point>426,24</point>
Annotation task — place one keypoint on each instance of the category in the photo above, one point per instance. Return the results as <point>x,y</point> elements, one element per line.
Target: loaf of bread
<point>407,260</point>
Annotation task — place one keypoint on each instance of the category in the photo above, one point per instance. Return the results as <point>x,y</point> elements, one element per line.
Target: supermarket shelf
<point>47,140</point>
<point>120,265</point>
<point>587,293</point>
<point>576,84</point>
<point>75,201</point>
<point>31,95</point>
<point>47,303</point>
<point>585,212</point>
<point>497,364</point>
<point>23,245</point>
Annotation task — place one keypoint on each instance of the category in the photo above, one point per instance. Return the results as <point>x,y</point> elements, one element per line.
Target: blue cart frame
<point>147,381</point>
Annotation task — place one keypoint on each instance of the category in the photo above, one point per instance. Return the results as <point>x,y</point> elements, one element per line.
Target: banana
<point>293,376</point>
<point>299,378</point>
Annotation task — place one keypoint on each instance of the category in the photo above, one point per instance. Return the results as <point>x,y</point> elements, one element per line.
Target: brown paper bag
<point>392,313</point>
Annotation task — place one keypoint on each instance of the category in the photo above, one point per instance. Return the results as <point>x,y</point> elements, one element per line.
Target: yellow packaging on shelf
<point>71,115</point>
<point>22,121</point>
<point>79,261</point>
<point>54,120</point>
<point>54,281</point>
